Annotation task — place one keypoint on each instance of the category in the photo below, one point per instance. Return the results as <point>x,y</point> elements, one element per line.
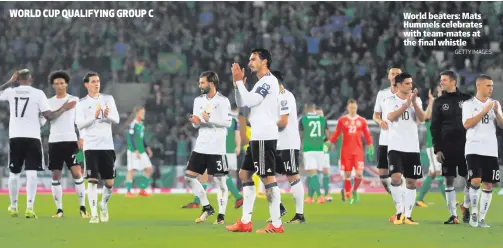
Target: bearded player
<point>352,126</point>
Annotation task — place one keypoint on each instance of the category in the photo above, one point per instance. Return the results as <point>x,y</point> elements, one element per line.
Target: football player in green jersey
<point>313,132</point>
<point>138,154</point>
<point>326,168</point>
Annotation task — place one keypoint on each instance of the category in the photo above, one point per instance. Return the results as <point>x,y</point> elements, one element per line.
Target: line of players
<point>463,136</point>
<point>92,115</point>
<point>274,147</point>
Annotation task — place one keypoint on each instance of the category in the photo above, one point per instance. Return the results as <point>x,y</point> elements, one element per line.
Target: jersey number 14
<point>17,100</point>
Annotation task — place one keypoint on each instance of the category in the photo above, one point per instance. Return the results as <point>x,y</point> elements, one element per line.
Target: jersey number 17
<point>17,100</point>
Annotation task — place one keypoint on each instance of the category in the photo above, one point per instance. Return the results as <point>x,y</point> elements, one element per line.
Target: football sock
<point>347,186</point>
<point>197,189</point>
<point>357,183</point>
<point>57,193</point>
<point>31,188</point>
<point>410,201</point>
<point>232,188</point>
<point>310,191</point>
<point>129,185</point>
<point>107,194</point>
<point>485,202</point>
<point>326,183</point>
<point>13,189</point>
<point>450,194</point>
<point>196,199</point>
<point>92,196</point>
<point>274,199</point>
<point>315,180</point>
<point>80,189</point>
<point>249,195</point>
<point>222,193</point>
<point>425,187</point>
<point>441,185</point>
<point>298,195</point>
<point>466,198</point>
<point>474,198</point>
<point>396,194</point>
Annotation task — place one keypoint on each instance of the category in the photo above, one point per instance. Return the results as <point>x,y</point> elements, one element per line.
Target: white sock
<point>107,194</point>
<point>404,192</point>
<point>298,195</point>
<point>474,198</point>
<point>410,201</point>
<point>249,196</point>
<point>197,189</point>
<point>450,197</point>
<point>13,189</point>
<point>92,196</point>
<point>80,189</point>
<point>222,193</point>
<point>31,188</point>
<point>57,193</point>
<point>261,188</point>
<point>397,195</point>
<point>485,202</point>
<point>274,199</point>
<point>466,200</point>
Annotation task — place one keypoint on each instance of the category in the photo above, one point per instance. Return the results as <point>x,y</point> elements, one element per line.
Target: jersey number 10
<point>17,99</point>
<point>315,128</point>
<point>405,115</point>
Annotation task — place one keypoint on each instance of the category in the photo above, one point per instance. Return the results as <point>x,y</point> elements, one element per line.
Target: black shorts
<point>261,157</point>
<point>27,152</point>
<point>100,163</point>
<point>484,167</point>
<point>406,163</point>
<point>454,163</point>
<point>62,152</point>
<point>287,162</point>
<point>215,164</point>
<point>382,157</point>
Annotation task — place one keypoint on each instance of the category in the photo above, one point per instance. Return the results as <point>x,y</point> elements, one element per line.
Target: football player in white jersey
<point>287,160</point>
<point>261,155</point>
<point>403,110</point>
<point>212,115</point>
<point>26,104</point>
<point>63,145</point>
<point>94,117</point>
<point>481,114</point>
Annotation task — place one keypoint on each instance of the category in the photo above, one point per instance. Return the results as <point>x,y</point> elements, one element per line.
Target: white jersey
<point>63,127</point>
<point>212,134</point>
<point>402,133</point>
<point>96,132</point>
<point>263,103</point>
<point>379,108</point>
<point>26,104</point>
<point>480,139</point>
<point>289,137</point>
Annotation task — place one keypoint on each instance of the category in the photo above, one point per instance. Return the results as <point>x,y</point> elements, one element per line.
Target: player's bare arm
<point>499,114</point>
<point>377,118</point>
<point>473,121</point>
<point>110,113</point>
<point>283,121</point>
<point>51,115</point>
<point>12,79</point>
<point>393,116</point>
<point>421,116</point>
<point>237,140</point>
<point>249,99</point>
<point>431,99</point>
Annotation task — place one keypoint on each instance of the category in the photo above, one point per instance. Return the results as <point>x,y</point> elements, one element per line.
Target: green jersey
<point>135,139</point>
<point>429,142</point>
<point>230,142</point>
<point>313,128</point>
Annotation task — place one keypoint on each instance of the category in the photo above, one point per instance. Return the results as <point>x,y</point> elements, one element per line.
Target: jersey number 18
<point>17,99</point>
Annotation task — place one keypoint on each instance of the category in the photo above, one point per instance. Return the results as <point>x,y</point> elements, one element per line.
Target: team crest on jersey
<point>445,106</point>
<point>391,167</point>
<point>283,103</point>
<point>460,104</point>
<point>266,86</point>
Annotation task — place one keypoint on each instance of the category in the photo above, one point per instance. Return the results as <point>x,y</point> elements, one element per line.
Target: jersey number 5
<point>17,99</point>
<point>315,128</point>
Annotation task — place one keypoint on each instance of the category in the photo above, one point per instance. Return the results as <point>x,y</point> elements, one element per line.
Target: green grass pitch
<point>160,222</point>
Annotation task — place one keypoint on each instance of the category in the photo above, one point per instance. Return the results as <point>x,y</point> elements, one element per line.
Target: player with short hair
<point>403,145</point>
<point>449,136</point>
<point>95,115</point>
<point>314,132</point>
<point>233,149</point>
<point>380,119</point>
<point>352,126</point>
<point>212,115</point>
<point>261,154</point>
<point>26,104</point>
<point>434,168</point>
<point>481,114</point>
<point>289,148</point>
<point>326,161</point>
<point>138,154</point>
<point>63,146</point>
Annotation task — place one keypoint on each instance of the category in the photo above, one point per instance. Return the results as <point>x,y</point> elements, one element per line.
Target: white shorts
<point>134,163</point>
<point>434,164</point>
<point>232,161</point>
<point>315,161</point>
<point>327,159</point>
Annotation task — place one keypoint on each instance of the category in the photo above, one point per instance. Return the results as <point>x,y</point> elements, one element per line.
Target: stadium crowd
<point>329,52</point>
